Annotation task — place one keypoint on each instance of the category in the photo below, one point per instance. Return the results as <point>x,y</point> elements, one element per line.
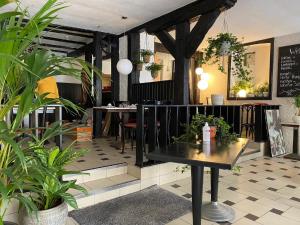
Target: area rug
<point>153,206</point>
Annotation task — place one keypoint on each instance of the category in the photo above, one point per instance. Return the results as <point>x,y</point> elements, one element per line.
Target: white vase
<point>296,119</point>
<point>217,99</point>
<point>54,216</point>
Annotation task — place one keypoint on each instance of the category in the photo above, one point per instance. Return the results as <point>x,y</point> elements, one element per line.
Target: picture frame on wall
<point>277,143</point>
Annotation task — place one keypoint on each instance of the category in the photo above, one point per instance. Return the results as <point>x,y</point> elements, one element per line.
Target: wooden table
<point>296,151</point>
<point>120,112</point>
<point>216,155</point>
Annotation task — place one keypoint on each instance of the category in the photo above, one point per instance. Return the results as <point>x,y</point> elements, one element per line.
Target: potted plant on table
<point>146,55</point>
<point>154,68</point>
<point>296,118</point>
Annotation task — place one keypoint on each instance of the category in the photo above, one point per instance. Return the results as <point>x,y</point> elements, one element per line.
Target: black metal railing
<point>157,124</point>
<point>159,91</point>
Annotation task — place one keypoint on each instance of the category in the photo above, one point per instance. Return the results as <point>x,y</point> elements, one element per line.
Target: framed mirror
<point>259,63</point>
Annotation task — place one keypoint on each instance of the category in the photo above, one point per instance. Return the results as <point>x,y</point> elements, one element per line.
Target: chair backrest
<point>247,114</point>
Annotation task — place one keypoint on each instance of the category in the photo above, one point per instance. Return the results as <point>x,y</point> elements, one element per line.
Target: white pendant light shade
<point>124,66</point>
<point>202,84</point>
<point>199,71</point>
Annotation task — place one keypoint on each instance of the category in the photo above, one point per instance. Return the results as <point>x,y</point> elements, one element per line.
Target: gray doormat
<point>153,206</point>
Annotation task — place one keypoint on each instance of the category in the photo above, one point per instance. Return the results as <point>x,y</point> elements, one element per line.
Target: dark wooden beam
<point>115,76</point>
<point>57,46</point>
<point>168,41</point>
<point>181,76</point>
<point>98,83</point>
<point>133,55</point>
<point>186,13</point>
<point>80,51</point>
<point>59,31</point>
<point>55,50</point>
<point>63,40</point>
<point>198,33</point>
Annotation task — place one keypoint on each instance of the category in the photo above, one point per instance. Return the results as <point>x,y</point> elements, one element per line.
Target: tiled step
<point>250,153</point>
<point>105,189</point>
<point>98,173</point>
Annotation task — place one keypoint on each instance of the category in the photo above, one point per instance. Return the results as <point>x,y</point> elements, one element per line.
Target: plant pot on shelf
<point>217,99</point>
<point>296,119</point>
<point>146,58</point>
<point>54,216</point>
<point>266,94</point>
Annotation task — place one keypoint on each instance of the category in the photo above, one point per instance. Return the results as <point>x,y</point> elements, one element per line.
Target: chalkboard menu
<point>289,71</point>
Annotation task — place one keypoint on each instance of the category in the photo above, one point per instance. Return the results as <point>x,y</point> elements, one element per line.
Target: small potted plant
<point>146,55</point>
<point>265,89</point>
<point>296,118</point>
<point>47,191</point>
<point>139,65</point>
<point>242,85</point>
<point>154,68</point>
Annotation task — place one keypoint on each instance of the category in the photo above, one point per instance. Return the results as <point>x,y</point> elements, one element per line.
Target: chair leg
<point>131,137</point>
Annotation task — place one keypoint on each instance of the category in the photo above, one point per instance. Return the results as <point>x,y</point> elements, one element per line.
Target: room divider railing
<point>158,124</point>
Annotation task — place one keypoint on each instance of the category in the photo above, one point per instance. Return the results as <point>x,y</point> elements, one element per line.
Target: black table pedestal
<point>215,211</point>
<point>197,189</point>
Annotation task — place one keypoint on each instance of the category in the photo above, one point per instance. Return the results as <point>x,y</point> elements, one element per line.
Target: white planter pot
<point>217,99</point>
<point>55,216</point>
<point>225,48</point>
<point>266,94</point>
<point>296,119</point>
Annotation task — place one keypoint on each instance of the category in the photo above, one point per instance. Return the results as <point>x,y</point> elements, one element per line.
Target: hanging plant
<point>146,54</point>
<point>154,68</point>
<point>226,44</point>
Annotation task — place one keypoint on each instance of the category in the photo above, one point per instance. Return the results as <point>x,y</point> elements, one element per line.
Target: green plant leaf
<point>69,199</point>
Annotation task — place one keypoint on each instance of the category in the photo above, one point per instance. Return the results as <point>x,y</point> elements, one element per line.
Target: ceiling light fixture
<point>124,66</point>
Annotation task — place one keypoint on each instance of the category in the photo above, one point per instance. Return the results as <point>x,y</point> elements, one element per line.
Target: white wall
<point>146,42</point>
<point>123,54</point>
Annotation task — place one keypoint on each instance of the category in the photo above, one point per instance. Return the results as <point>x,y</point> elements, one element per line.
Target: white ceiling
<point>251,19</point>
<point>259,19</point>
<point>105,15</point>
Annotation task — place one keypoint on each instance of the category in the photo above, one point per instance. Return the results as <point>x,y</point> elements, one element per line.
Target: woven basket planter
<point>55,216</point>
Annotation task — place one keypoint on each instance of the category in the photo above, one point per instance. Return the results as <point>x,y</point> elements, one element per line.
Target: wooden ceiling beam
<point>186,13</point>
<point>168,41</point>
<point>198,33</point>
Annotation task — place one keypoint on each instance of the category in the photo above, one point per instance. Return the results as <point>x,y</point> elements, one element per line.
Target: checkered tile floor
<point>266,191</point>
<point>101,152</point>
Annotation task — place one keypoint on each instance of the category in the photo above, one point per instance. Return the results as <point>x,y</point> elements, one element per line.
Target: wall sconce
<point>202,84</point>
<point>199,71</point>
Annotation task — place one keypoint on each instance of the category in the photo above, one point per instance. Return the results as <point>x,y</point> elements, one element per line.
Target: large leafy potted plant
<point>22,65</point>
<point>48,192</point>
<point>296,118</point>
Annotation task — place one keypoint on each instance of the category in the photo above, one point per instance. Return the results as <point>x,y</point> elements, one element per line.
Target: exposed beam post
<point>133,55</point>
<point>181,78</point>
<point>168,41</point>
<point>115,76</point>
<point>98,83</point>
<point>198,33</point>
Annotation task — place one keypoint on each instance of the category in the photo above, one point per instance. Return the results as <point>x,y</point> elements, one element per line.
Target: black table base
<point>215,211</point>
<point>197,190</point>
